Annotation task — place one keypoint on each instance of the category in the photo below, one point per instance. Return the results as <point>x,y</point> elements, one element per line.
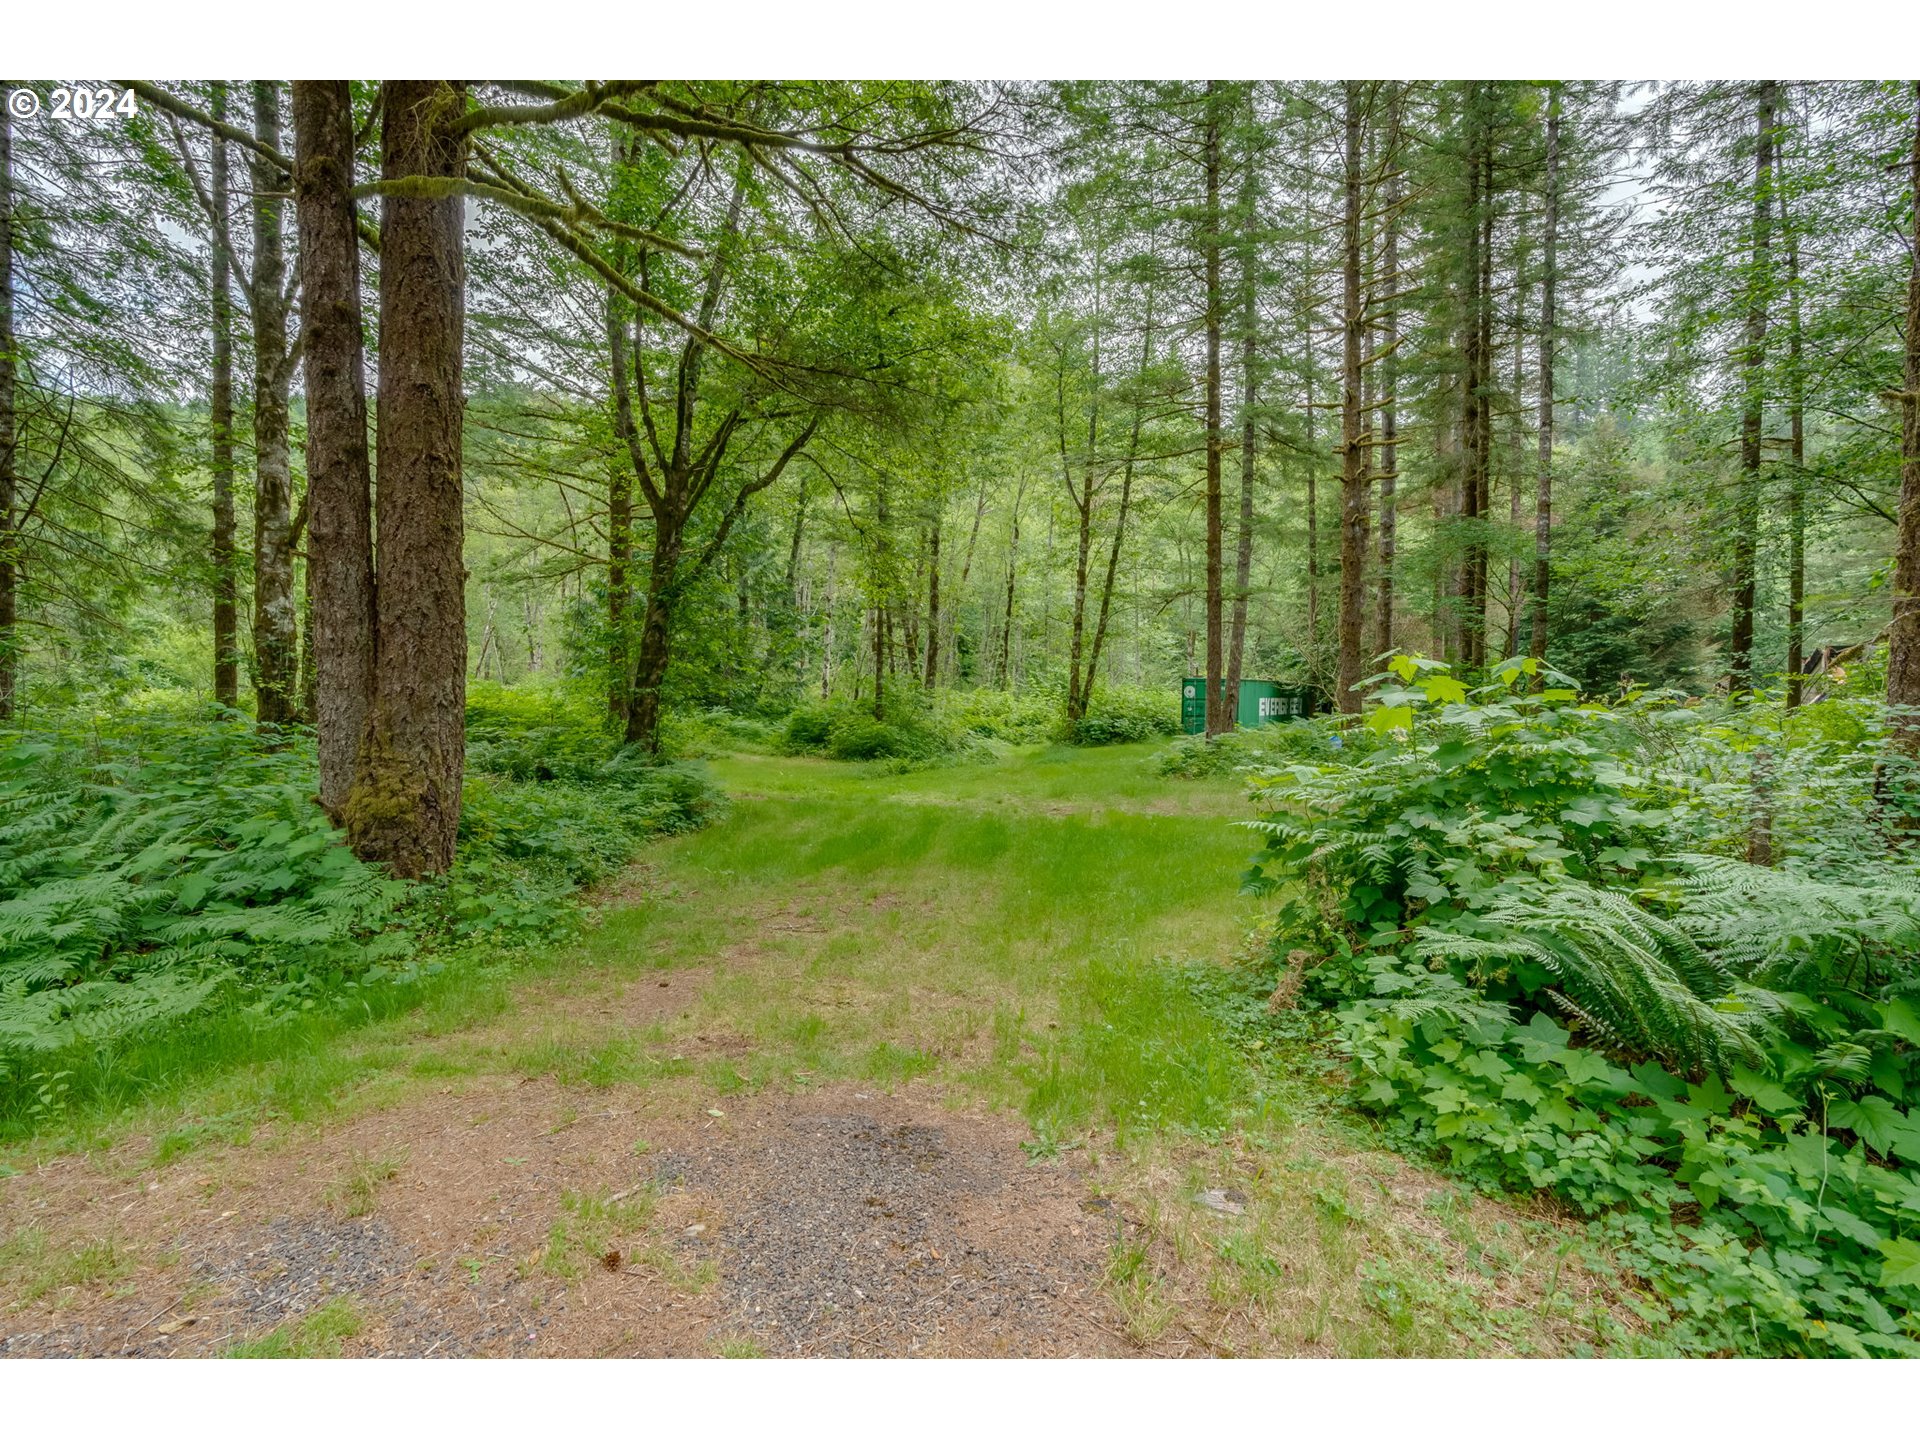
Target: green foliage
<point>1016,719</point>
<point>1315,741</point>
<point>1532,972</point>
<point>704,734</point>
<point>159,867</point>
<point>845,730</point>
<point>1478,799</point>
<point>1757,1222</point>
<point>1121,715</point>
<point>155,864</point>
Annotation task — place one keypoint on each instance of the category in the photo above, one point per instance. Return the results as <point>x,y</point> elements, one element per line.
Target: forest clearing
<point>886,974</point>
<point>932,718</point>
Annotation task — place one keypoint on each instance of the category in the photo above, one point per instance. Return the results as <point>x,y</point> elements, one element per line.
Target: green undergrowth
<point>918,729</point>
<point>1534,930</point>
<point>174,898</point>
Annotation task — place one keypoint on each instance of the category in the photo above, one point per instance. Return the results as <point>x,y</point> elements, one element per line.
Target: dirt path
<point>772,1106</point>
<point>501,1220</point>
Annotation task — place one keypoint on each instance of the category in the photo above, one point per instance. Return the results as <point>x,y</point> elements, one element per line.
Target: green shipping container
<point>1262,702</point>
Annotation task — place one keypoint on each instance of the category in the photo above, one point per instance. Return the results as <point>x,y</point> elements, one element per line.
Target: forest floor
<point>845,1074</point>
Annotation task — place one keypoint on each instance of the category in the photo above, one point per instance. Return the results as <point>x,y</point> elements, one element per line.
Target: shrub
<point>1121,715</point>
<point>703,734</point>
<point>155,866</point>
<point>535,733</point>
<point>1320,740</point>
<point>845,731</point>
<point>1531,972</point>
<point>1031,718</point>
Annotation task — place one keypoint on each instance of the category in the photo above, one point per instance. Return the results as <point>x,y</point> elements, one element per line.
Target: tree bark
<point>275,683</point>
<point>1013,558</point>
<point>1746,528</point>
<point>1220,711</point>
<point>620,525</point>
<point>1313,486</point>
<point>933,603</point>
<point>340,573</point>
<point>1249,383</point>
<point>226,588</point>
<point>1389,383</point>
<point>1543,475</point>
<point>1796,457</point>
<point>1354,499</point>
<point>404,806</point>
<point>1477,402</point>
<point>9,441</point>
<point>1127,470</point>
<point>1903,658</point>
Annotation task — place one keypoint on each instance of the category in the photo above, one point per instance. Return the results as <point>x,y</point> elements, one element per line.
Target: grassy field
<point>1021,934</point>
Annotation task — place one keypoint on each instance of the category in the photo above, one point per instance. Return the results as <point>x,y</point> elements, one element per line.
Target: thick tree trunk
<point>1354,500</point>
<point>1220,706</point>
<point>275,682</point>
<point>226,588</point>
<point>1903,659</point>
<point>404,808</point>
<point>1543,475</point>
<point>1746,525</point>
<point>339,475</point>
<point>9,441</point>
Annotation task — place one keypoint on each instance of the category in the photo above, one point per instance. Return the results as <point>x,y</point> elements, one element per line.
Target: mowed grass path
<point>949,921</point>
<point>1022,934</point>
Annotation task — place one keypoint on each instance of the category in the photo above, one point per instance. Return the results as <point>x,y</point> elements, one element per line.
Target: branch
<point>173,105</point>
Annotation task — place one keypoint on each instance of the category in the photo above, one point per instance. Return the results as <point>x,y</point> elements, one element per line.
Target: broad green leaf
<point>1385,719</point>
<point>1902,1263</point>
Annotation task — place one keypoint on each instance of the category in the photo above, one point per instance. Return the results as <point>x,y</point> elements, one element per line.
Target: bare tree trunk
<point>404,807</point>
<point>1543,485</point>
<point>1389,383</point>
<point>656,640</point>
<point>933,604</point>
<point>1219,705</point>
<point>274,679</point>
<point>620,527</point>
<point>1796,459</point>
<point>226,637</point>
<point>826,641</point>
<point>1249,382</point>
<point>9,441</point>
<point>1313,495</point>
<point>1746,527</point>
<point>1354,500</point>
<point>339,473</point>
<point>1013,557</point>
<point>1120,520</point>
<point>1903,658</point>
<point>1516,587</point>
<point>1477,402</point>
